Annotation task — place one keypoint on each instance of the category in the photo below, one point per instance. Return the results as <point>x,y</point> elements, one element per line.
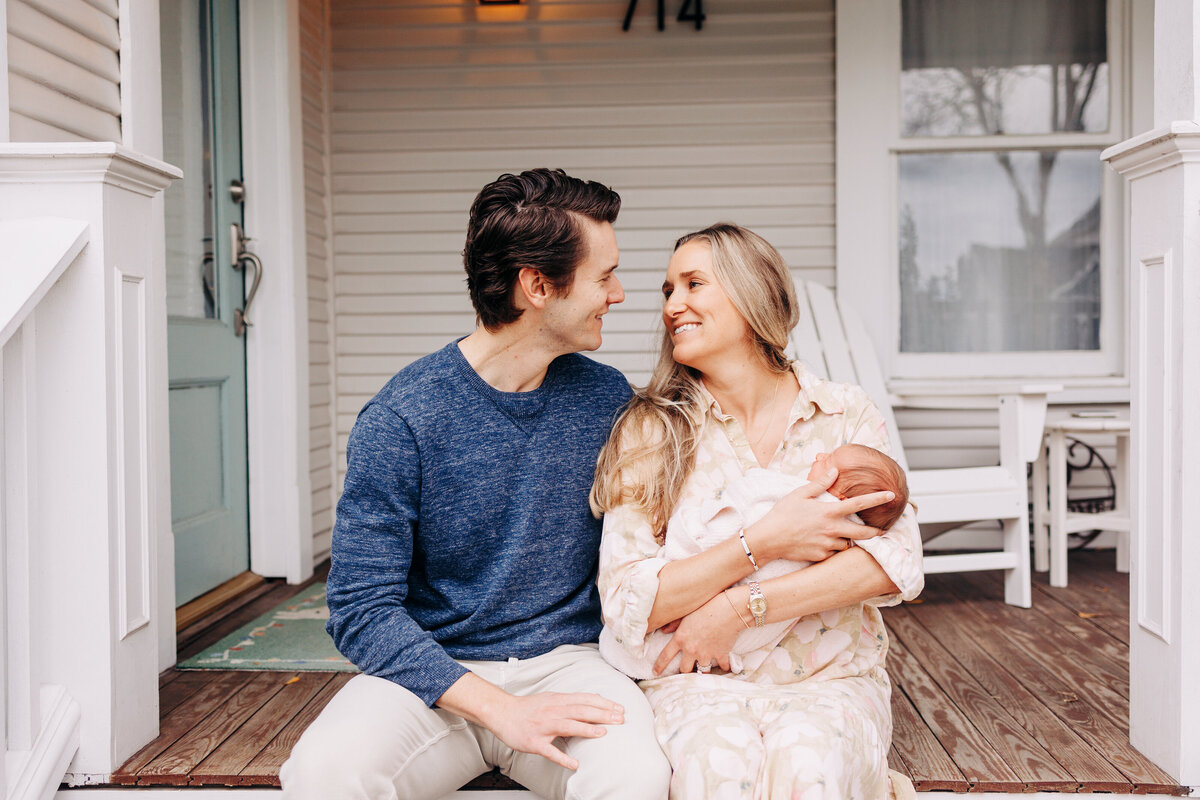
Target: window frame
<point>869,146</point>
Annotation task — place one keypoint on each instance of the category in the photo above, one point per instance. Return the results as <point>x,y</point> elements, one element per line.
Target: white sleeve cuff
<point>640,588</point>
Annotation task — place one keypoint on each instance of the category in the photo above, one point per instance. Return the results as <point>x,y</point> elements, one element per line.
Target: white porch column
<point>100,506</point>
<point>1163,168</point>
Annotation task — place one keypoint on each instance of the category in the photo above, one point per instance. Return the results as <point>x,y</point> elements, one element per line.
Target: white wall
<point>314,87</point>
<point>64,73</point>
<point>432,100</point>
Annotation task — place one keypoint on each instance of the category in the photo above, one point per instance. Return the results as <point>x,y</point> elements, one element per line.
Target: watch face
<point>758,605</point>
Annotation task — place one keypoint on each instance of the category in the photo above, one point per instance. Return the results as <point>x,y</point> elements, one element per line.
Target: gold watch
<point>758,604</point>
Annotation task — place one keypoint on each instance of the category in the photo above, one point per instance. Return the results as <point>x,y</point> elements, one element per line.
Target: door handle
<point>240,257</point>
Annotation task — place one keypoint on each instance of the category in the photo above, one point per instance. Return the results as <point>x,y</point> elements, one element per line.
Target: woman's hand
<point>802,528</point>
<point>703,637</point>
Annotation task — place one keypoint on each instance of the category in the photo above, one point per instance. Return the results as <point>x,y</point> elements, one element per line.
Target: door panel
<point>199,488</point>
<point>202,132</point>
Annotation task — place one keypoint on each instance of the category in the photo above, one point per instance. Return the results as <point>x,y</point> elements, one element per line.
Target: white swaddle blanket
<point>693,530</point>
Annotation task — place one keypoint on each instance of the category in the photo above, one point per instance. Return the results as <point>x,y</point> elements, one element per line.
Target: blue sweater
<point>464,529</point>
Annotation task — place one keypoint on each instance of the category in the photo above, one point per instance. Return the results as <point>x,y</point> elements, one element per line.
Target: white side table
<point>1052,554</point>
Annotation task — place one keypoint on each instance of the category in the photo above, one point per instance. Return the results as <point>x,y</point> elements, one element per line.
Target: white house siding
<point>64,77</point>
<point>314,88</point>
<point>433,99</point>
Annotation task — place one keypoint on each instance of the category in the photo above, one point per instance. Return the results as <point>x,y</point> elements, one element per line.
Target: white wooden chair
<point>832,341</point>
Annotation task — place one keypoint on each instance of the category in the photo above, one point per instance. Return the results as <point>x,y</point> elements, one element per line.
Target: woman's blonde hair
<point>652,449</point>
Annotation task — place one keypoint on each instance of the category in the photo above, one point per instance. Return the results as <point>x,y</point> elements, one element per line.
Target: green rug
<point>289,637</point>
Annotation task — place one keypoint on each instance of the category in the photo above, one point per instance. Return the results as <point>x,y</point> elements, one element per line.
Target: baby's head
<point>862,470</point>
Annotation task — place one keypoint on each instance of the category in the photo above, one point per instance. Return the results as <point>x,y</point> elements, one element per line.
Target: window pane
<point>976,67</point>
<point>1000,252</point>
<point>191,288</point>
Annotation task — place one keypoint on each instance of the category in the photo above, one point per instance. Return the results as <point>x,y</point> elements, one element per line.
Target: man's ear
<point>534,287</point>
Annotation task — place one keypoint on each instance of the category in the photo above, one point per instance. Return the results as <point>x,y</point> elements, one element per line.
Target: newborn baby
<point>861,470</point>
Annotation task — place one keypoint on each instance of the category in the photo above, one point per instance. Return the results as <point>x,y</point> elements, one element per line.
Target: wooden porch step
<point>986,697</point>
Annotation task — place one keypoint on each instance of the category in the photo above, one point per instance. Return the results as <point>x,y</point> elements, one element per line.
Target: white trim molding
<point>1154,151</point>
<point>141,78</point>
<point>4,113</point>
<point>277,345</point>
<point>51,244</point>
<point>36,774</point>
<point>84,162</point>
<point>1154,320</point>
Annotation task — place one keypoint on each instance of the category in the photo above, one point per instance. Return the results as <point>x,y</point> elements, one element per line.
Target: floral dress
<point>814,719</point>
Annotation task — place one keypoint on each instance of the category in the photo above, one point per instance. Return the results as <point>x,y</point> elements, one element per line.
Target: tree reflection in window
<point>999,250</point>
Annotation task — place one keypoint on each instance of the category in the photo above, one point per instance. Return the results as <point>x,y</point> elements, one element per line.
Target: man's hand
<point>802,528</point>
<point>530,724</point>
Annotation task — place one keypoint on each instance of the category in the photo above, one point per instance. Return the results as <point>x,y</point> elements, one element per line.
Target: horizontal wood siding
<point>433,99</point>
<point>314,91</point>
<point>64,72</point>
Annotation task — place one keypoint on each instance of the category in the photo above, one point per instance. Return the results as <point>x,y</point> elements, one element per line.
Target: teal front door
<point>205,292</point>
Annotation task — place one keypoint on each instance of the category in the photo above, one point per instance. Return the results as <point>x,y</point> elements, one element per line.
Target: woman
<point>813,720</point>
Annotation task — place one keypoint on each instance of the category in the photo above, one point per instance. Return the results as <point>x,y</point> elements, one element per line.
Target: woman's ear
<point>534,287</point>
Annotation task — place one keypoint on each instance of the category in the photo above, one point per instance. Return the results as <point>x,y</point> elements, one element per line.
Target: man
<point>464,555</point>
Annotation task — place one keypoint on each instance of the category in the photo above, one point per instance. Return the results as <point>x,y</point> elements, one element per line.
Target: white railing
<point>41,721</point>
<point>85,487</point>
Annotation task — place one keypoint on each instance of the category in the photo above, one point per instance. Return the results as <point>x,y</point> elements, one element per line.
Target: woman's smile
<point>698,313</point>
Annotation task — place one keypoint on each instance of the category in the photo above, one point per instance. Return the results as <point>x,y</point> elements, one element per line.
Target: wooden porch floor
<point>986,697</point>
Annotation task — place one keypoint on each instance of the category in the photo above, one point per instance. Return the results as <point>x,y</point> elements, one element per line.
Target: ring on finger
<point>848,543</point>
<point>703,668</point>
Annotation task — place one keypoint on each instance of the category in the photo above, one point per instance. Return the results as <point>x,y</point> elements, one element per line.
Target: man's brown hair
<point>529,220</point>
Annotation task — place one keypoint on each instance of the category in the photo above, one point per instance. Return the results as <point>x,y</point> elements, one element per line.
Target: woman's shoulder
<point>831,396</point>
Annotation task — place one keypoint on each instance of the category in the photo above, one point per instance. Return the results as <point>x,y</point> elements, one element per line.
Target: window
<point>973,130</point>
<point>999,251</point>
<point>988,67</point>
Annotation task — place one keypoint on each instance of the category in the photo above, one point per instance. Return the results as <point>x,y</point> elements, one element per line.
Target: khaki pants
<point>376,739</point>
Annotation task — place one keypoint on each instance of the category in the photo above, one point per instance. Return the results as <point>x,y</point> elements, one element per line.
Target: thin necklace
<point>770,416</point>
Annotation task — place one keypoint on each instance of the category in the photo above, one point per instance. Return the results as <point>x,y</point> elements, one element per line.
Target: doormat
<point>290,637</point>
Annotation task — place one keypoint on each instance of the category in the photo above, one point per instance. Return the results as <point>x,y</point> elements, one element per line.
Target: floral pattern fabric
<point>826,673</point>
<point>818,740</point>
